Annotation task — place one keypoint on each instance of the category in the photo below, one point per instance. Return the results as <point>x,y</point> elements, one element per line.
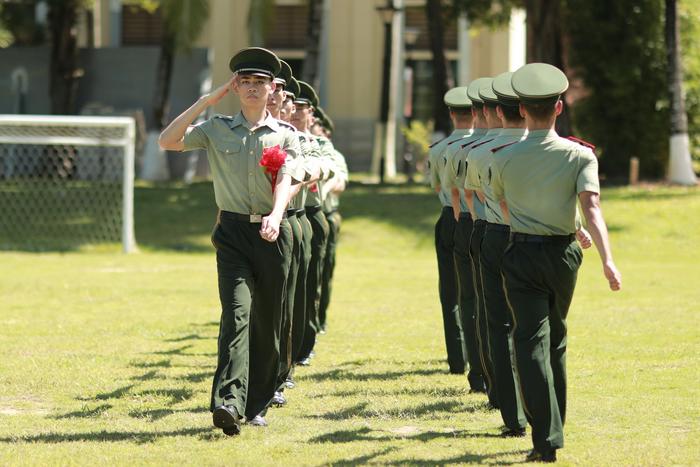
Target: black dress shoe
<point>226,418</point>
<point>537,456</point>
<point>278,399</point>
<point>258,420</point>
<point>513,433</point>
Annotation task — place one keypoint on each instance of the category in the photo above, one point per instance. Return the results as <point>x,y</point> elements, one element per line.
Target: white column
<point>395,74</point>
<point>464,51</point>
<point>680,166</point>
<point>517,40</point>
<point>115,23</point>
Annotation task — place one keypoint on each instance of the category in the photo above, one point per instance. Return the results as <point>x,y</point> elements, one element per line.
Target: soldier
<point>253,239</point>
<point>444,244</point>
<point>538,182</point>
<point>302,119</point>
<point>500,102</point>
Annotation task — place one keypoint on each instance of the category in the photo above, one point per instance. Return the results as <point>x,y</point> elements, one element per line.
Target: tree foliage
<point>617,49</point>
<point>689,15</point>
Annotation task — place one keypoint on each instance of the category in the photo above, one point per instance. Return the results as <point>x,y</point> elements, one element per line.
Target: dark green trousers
<point>333,219</point>
<point>482,335</point>
<point>467,300</point>
<point>300,319</point>
<point>252,276</point>
<point>447,285</point>
<point>288,316</point>
<point>539,279</point>
<point>320,227</point>
<point>499,326</point>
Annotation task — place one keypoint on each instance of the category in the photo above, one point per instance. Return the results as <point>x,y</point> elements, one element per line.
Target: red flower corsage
<point>273,159</point>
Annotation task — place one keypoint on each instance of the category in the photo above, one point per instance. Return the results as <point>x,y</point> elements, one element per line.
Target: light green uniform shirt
<point>457,161</point>
<point>332,201</point>
<point>482,166</point>
<point>325,154</point>
<point>435,154</point>
<point>475,153</point>
<point>540,178</point>
<point>234,151</point>
<point>441,164</point>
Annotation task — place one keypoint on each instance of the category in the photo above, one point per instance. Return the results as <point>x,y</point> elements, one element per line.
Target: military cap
<point>473,90</point>
<point>285,74</point>
<point>292,88</point>
<point>457,97</point>
<point>486,92</point>
<point>504,91</point>
<point>539,83</point>
<point>255,61</point>
<point>306,95</point>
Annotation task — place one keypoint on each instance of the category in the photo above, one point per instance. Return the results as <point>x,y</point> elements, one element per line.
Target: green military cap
<point>285,74</point>
<point>255,61</point>
<point>457,97</point>
<point>473,90</point>
<point>504,90</point>
<point>292,88</point>
<point>539,83</point>
<point>330,126</point>
<point>306,95</point>
<point>486,92</point>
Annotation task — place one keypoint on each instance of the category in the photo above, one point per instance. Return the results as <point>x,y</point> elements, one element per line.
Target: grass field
<point>107,358</point>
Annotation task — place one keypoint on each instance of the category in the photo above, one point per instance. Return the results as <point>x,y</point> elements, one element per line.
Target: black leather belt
<point>291,212</point>
<point>465,215</point>
<point>250,218</point>
<point>529,238</point>
<point>447,208</point>
<point>479,222</point>
<point>492,226</point>
<point>301,212</point>
<point>312,209</point>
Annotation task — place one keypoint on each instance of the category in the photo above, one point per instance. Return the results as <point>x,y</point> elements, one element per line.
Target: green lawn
<point>107,358</point>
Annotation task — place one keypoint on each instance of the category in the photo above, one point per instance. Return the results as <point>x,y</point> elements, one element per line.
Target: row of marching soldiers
<point>513,192</point>
<point>277,178</point>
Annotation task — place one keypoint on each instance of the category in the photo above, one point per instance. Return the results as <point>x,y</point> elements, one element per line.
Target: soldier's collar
<point>546,133</point>
<point>269,121</point>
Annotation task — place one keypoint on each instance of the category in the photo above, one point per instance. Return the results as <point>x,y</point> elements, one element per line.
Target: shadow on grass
<point>85,412</point>
<point>140,437</point>
<point>467,458</point>
<point>157,414</point>
<point>365,411</point>
<point>362,460</point>
<point>340,374</point>
<point>367,434</point>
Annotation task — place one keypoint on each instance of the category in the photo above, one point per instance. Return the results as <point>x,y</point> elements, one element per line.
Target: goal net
<point>66,182</point>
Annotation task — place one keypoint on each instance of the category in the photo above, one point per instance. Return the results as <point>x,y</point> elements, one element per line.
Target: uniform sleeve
<point>471,181</point>
<point>496,180</point>
<point>434,175</point>
<point>450,176</point>
<point>195,137</point>
<point>460,168</point>
<point>587,179</point>
<point>291,165</point>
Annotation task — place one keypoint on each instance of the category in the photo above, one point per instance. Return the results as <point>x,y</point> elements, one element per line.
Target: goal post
<point>66,181</point>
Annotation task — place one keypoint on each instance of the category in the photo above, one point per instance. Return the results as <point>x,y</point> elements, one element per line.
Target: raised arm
<point>590,205</point>
<point>172,137</point>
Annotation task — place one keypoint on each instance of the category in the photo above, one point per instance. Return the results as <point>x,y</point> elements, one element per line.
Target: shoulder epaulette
<point>581,142</point>
<point>286,124</point>
<point>223,117</point>
<point>438,142</point>
<point>481,142</point>
<point>454,141</point>
<point>469,143</point>
<point>498,148</point>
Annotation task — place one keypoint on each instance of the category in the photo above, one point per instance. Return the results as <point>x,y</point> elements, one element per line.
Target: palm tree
<point>436,31</point>
<point>680,168</point>
<point>65,72</point>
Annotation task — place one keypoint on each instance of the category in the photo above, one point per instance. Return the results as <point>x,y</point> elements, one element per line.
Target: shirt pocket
<point>228,147</point>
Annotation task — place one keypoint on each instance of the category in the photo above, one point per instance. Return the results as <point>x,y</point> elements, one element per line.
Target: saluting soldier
<point>500,102</point>
<point>253,238</point>
<point>302,120</point>
<point>444,248</point>
<point>332,189</point>
<point>540,180</point>
<point>286,88</point>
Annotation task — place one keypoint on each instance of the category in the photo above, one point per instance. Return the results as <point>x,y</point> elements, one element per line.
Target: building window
<point>141,27</point>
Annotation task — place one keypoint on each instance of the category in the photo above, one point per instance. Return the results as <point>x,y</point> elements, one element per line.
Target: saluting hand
<point>217,94</point>
<point>613,276</point>
<point>270,228</point>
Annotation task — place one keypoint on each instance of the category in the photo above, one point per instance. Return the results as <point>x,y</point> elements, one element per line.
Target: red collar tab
<point>581,142</point>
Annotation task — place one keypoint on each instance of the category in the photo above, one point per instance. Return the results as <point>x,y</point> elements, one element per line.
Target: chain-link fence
<point>65,182</point>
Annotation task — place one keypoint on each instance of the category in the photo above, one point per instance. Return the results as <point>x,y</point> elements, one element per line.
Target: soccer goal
<point>66,181</point>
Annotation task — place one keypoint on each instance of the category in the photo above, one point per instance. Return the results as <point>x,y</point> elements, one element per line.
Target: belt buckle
<point>255,218</point>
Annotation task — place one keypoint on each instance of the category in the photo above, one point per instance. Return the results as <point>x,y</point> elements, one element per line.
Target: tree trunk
<point>545,43</point>
<point>313,39</point>
<point>680,168</point>
<point>64,71</point>
<point>436,32</point>
<point>164,73</point>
